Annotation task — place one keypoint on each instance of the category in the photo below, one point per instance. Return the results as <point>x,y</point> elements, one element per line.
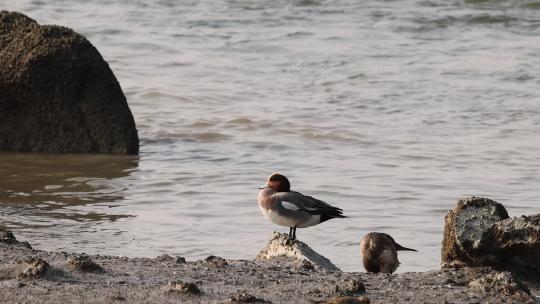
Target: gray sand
<point>111,279</point>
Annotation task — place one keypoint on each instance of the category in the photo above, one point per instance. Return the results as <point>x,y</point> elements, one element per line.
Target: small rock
<point>280,246</point>
<point>84,263</point>
<point>179,286</point>
<point>216,261</point>
<point>179,260</point>
<point>168,258</point>
<point>244,297</point>
<point>33,268</point>
<point>305,264</point>
<point>164,258</point>
<point>6,236</point>
<point>351,286</point>
<point>349,300</point>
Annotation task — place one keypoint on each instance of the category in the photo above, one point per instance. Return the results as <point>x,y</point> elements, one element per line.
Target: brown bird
<point>379,252</point>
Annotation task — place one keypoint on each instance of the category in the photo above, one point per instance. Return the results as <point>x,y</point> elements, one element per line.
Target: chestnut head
<point>279,183</point>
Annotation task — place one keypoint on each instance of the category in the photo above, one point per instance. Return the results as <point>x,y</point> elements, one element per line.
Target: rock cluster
<point>479,232</point>
<point>57,94</point>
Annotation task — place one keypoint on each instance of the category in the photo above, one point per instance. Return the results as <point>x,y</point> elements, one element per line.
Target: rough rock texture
<point>215,261</point>
<point>503,283</point>
<point>518,241</point>
<point>296,252</point>
<point>84,263</point>
<point>351,286</point>
<point>168,258</point>
<point>32,268</point>
<point>467,233</point>
<point>487,281</point>
<point>244,297</point>
<point>182,287</point>
<point>6,236</point>
<point>478,232</point>
<point>57,94</point>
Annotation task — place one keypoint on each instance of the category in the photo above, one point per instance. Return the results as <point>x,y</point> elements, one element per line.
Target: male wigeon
<point>292,209</point>
<point>379,252</point>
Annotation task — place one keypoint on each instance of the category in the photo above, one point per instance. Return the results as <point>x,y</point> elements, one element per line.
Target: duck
<point>292,209</point>
<point>379,252</point>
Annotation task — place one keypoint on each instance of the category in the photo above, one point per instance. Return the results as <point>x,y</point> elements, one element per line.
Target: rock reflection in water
<point>57,187</point>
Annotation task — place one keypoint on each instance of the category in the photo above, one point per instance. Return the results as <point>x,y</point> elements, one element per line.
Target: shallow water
<point>391,110</point>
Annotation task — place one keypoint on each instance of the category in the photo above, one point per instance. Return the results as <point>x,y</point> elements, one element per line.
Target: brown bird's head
<point>279,183</point>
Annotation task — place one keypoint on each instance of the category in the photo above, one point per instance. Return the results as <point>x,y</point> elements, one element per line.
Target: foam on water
<point>391,110</point>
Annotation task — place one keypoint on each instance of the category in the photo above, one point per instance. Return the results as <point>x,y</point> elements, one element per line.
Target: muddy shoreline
<point>72,278</point>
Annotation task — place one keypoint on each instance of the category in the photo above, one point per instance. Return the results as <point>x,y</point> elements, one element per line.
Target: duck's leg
<point>293,229</point>
<point>290,232</point>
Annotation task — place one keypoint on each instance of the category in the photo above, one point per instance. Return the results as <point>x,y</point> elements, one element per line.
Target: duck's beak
<point>263,186</point>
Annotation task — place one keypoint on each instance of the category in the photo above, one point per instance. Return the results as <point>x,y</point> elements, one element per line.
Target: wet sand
<point>72,279</point>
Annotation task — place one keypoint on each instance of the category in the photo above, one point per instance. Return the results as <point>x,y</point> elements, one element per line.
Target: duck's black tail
<point>326,217</point>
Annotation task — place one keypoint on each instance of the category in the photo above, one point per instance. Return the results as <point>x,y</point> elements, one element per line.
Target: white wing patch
<point>290,206</point>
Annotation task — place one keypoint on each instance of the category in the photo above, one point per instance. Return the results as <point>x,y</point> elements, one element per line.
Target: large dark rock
<point>467,236</point>
<point>57,94</point>
<point>478,232</point>
<point>518,240</point>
